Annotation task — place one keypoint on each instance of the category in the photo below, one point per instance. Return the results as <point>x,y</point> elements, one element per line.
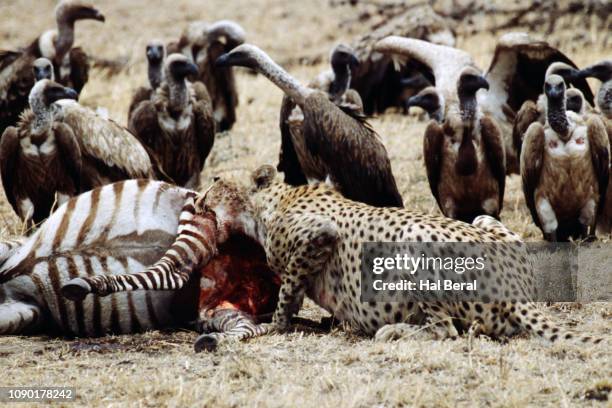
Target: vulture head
<point>565,71</point>
<point>602,71</point>
<point>554,89</point>
<point>574,100</point>
<point>223,36</point>
<point>245,55</point>
<point>42,96</point>
<point>156,51</point>
<point>178,67</point>
<point>70,11</point>
<point>43,69</point>
<point>470,81</point>
<point>343,56</point>
<point>429,100</point>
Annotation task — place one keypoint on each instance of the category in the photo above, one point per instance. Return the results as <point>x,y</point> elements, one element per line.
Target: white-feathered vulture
<point>155,52</point>
<point>294,157</point>
<point>353,156</point>
<point>70,64</point>
<point>60,147</point>
<point>516,74</point>
<point>565,168</point>
<point>176,124</point>
<point>464,150</point>
<point>379,84</point>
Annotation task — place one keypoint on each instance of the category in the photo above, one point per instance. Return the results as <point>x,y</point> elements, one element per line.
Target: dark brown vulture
<point>293,160</point>
<point>61,147</point>
<point>565,167</point>
<point>203,43</point>
<point>155,52</point>
<point>176,124</point>
<point>429,100</point>
<point>376,79</point>
<point>70,64</point>
<point>516,74</point>
<point>351,153</point>
<point>464,154</point>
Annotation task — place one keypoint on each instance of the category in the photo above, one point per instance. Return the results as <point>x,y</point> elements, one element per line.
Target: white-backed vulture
<point>43,69</point>
<point>40,157</point>
<point>353,156</point>
<point>176,124</point>
<point>516,74</point>
<point>532,111</point>
<point>565,168</point>
<point>203,43</point>
<point>429,100</point>
<point>71,65</point>
<point>155,52</point>
<point>378,82</point>
<point>294,158</point>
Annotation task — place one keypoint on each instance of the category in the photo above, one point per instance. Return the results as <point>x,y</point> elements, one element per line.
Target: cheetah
<point>313,238</point>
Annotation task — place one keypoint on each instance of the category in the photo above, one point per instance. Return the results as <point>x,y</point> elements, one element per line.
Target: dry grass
<point>302,368</point>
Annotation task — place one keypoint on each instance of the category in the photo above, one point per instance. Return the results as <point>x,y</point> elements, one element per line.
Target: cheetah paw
<point>397,331</point>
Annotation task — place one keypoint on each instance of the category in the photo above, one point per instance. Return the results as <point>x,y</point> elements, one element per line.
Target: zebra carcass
<point>127,228</point>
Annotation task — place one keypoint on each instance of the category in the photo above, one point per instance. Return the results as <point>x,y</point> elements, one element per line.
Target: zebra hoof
<point>205,342</point>
<point>76,289</point>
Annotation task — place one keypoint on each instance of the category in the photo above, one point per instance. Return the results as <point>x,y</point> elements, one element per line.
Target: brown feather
<point>532,158</point>
<point>432,154</point>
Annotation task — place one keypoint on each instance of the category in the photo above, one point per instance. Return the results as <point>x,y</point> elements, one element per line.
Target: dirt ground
<point>306,367</point>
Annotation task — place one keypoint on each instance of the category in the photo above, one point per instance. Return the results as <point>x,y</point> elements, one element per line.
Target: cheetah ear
<point>263,176</point>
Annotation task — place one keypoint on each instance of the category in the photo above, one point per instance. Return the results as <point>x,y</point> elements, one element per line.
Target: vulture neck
<point>557,118</point>
<point>155,74</point>
<point>466,161</point>
<point>64,40</point>
<point>178,97</point>
<point>289,85</point>
<point>43,116</point>
<point>604,99</point>
<point>341,82</point>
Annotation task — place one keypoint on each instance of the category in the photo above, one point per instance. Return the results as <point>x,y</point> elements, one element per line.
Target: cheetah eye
<point>216,178</point>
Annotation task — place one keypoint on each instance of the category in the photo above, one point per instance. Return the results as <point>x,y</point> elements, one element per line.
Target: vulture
<point>176,124</point>
<point>60,149</point>
<point>155,52</point>
<point>293,158</point>
<point>603,72</point>
<point>203,43</point>
<point>351,154</point>
<point>70,64</point>
<point>42,68</point>
<point>516,74</point>
<point>376,80</point>
<point>565,166</point>
<point>532,111</point>
<point>464,149</point>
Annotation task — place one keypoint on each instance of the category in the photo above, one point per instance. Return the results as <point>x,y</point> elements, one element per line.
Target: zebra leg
<point>195,245</point>
<point>18,317</point>
<point>226,324</point>
<point>8,247</point>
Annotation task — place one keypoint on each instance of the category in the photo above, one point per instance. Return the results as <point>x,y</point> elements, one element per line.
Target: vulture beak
<point>91,13</point>
<point>482,83</point>
<point>554,92</point>
<point>225,60</point>
<point>155,54</point>
<point>184,69</point>
<point>42,73</point>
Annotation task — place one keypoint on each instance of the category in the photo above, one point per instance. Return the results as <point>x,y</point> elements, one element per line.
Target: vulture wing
<point>356,158</point>
<point>446,63</point>
<point>287,159</point>
<point>532,157</point>
<point>9,150</point>
<point>600,154</point>
<point>495,153</point>
<point>518,68</point>
<point>70,151</point>
<point>79,70</point>
<point>142,93</point>
<point>432,153</point>
<point>105,140</point>
<point>16,81</point>
<point>526,116</point>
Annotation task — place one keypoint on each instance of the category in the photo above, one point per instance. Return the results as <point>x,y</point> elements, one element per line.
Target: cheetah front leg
<point>313,250</point>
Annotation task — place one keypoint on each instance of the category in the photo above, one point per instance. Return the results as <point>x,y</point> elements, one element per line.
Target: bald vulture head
<point>470,81</point>
<point>343,61</point>
<point>603,72</point>
<point>70,11</point>
<point>43,69</point>
<point>42,96</point>
<point>178,67</point>
<point>429,100</point>
<point>156,51</point>
<point>574,100</point>
<point>554,89</point>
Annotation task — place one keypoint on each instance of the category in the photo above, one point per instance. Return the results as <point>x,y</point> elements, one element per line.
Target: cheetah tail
<point>537,322</point>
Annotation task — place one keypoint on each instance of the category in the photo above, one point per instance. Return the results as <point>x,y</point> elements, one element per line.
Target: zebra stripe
<point>116,229</point>
<point>195,245</point>
<point>227,324</point>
